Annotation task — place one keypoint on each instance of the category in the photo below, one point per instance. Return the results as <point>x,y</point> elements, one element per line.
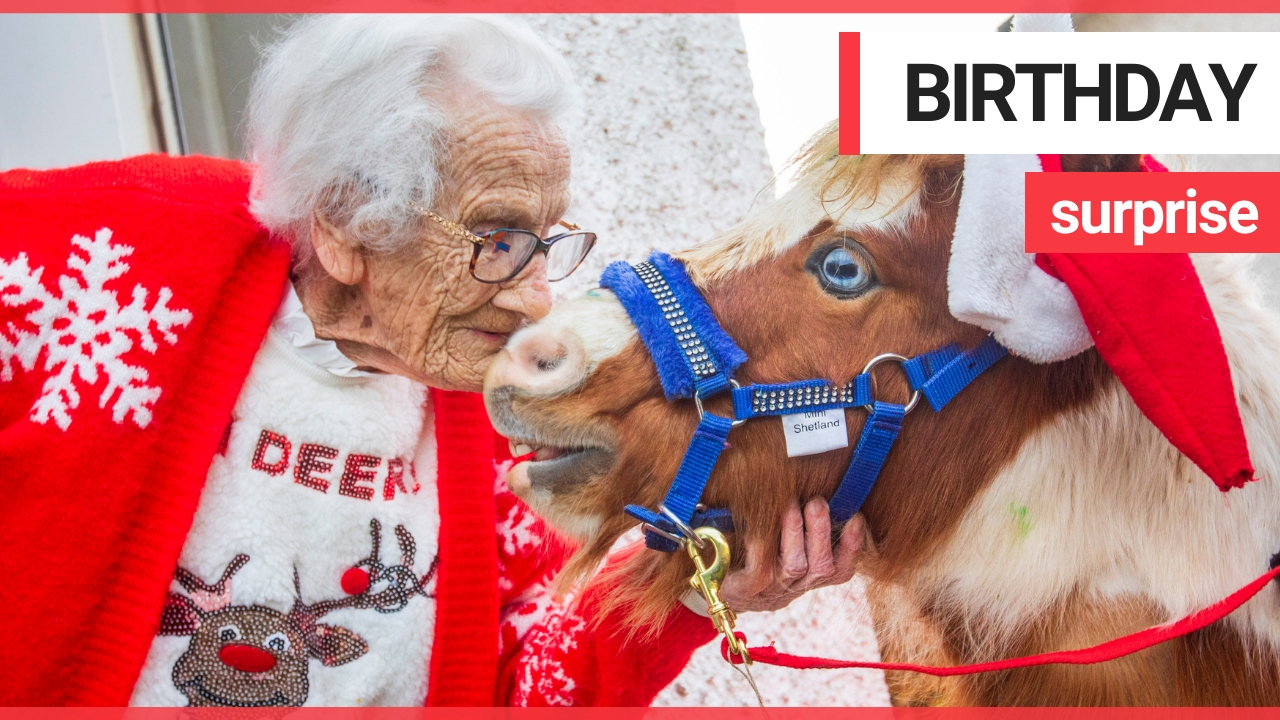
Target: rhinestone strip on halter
<point>765,400</point>
<point>695,352</point>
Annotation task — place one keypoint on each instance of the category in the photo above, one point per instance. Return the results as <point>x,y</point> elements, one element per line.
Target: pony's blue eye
<point>844,272</point>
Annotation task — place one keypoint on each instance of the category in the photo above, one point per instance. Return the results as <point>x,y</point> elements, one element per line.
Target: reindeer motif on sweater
<point>255,656</point>
<point>319,479</point>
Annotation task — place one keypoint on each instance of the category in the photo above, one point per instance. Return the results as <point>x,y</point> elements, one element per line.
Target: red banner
<point>1219,212</point>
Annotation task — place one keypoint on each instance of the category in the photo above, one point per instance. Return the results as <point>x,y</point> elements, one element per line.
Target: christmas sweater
<point>134,299</point>
<point>308,574</point>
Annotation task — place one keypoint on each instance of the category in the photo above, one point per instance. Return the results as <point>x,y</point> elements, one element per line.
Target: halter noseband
<point>696,359</point>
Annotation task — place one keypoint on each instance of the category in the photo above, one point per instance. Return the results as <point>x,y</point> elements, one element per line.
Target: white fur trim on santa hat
<point>992,283</point>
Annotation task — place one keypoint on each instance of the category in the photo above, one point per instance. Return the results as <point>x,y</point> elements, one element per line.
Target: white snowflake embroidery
<point>85,331</point>
<point>543,674</point>
<point>517,531</point>
<point>500,480</point>
<point>524,613</point>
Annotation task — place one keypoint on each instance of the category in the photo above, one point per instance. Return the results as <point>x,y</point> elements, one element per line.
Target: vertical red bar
<point>850,92</point>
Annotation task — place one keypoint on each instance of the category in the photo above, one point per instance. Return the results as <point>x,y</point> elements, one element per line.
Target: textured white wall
<point>667,144</point>
<point>667,150</point>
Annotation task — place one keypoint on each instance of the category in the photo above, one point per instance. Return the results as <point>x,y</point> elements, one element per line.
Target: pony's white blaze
<point>1099,502</point>
<point>599,320</point>
<point>786,221</point>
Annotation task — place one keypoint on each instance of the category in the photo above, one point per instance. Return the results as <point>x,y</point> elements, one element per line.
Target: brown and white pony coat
<point>1038,511</point>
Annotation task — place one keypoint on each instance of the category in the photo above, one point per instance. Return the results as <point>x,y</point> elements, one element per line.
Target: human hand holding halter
<point>805,561</point>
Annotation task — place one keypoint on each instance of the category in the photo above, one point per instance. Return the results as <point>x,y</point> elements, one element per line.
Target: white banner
<point>1013,92</point>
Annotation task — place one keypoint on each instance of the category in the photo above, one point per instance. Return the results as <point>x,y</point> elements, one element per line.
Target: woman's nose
<point>529,293</point>
<point>246,658</point>
<point>540,361</point>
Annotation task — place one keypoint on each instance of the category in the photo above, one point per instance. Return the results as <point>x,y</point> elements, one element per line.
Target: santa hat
<point>1147,314</point>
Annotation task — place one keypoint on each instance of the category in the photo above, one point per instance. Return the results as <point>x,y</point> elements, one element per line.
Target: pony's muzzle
<point>540,362</point>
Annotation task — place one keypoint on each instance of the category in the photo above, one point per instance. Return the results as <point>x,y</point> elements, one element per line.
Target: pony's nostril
<point>246,658</point>
<point>540,361</point>
<point>542,352</point>
<point>549,364</point>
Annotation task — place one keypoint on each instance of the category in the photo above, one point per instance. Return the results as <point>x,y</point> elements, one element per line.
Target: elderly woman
<point>267,506</point>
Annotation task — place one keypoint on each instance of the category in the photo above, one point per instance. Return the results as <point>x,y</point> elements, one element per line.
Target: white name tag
<point>810,433</point>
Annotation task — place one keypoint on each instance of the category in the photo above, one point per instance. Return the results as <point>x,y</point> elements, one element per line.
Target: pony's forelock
<point>850,191</point>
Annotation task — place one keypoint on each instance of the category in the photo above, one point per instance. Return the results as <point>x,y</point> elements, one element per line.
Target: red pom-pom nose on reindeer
<point>355,581</point>
<point>246,658</point>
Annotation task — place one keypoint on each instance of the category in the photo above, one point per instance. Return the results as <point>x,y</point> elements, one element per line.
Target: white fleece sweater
<point>319,464</point>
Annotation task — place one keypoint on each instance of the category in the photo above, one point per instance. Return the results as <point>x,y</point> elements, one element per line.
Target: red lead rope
<point>1109,650</point>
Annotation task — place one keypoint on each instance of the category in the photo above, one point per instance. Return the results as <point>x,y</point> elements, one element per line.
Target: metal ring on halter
<point>646,527</point>
<point>697,402</point>
<point>915,394</point>
<point>682,526</point>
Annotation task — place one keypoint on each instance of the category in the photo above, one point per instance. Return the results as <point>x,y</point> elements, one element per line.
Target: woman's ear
<point>340,257</point>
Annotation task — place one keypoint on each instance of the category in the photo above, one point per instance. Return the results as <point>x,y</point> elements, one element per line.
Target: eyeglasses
<point>501,254</point>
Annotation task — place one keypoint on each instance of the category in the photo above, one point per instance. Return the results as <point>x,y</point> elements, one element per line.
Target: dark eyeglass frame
<point>478,241</point>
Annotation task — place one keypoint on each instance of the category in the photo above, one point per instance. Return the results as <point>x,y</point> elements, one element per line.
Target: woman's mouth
<point>497,338</point>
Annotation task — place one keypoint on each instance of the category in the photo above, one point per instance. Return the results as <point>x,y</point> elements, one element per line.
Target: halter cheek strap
<point>696,359</point>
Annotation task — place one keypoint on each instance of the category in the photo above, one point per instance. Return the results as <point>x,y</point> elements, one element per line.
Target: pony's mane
<point>846,190</point>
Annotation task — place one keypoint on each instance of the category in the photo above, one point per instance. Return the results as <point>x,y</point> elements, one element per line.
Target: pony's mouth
<point>556,469</point>
<point>556,460</point>
<point>552,478</point>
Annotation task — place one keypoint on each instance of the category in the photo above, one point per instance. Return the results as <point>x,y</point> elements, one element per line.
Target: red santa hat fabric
<point>1147,314</point>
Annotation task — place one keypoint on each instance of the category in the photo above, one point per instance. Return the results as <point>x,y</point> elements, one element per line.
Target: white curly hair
<point>341,120</point>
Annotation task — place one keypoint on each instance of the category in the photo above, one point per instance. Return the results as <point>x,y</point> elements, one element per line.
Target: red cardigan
<point>133,298</point>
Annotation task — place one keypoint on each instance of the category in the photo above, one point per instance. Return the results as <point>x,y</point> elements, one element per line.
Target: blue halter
<point>696,359</point>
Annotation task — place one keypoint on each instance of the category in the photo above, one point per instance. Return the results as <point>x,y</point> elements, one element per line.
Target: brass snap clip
<point>707,580</point>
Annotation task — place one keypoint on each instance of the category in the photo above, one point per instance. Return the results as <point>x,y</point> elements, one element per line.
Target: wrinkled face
<point>426,317</point>
<point>807,289</point>
<point>244,657</point>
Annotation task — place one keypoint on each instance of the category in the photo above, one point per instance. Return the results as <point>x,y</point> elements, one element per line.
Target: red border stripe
<point>850,92</point>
